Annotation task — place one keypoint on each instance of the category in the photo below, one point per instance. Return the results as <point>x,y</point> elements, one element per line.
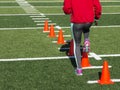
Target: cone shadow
<point>99,74</point>
<point>67,45</point>
<point>72,60</point>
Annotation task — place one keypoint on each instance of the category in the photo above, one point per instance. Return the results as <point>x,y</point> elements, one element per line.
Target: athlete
<point>83,13</point>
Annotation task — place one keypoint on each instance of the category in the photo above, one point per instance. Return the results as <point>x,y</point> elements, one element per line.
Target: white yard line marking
<point>53,6</point>
<point>28,8</point>
<point>45,1</point>
<point>64,41</point>
<point>7,1</point>
<point>62,1</point>
<point>110,55</point>
<point>61,6</point>
<point>40,18</point>
<point>65,35</point>
<point>41,58</point>
<point>17,14</point>
<point>49,31</point>
<point>95,56</point>
<point>38,24</point>
<point>43,14</point>
<point>109,26</point>
<point>111,6</point>
<point>64,14</point>
<point>96,81</point>
<point>37,16</point>
<point>110,1</point>
<point>10,7</point>
<point>112,26</point>
<point>43,21</point>
<point>112,13</point>
<point>94,67</point>
<point>26,28</point>
<point>53,58</point>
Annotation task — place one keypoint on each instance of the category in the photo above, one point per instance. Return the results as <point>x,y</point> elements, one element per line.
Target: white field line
<point>43,14</point>
<point>43,24</point>
<point>28,8</point>
<point>109,26</point>
<point>42,21</point>
<point>25,28</point>
<point>96,81</point>
<point>62,6</point>
<point>111,13</point>
<point>64,14</point>
<point>62,1</point>
<point>45,1</point>
<point>53,6</point>
<point>7,1</point>
<point>111,6</point>
<point>111,1</point>
<point>95,56</point>
<point>41,58</point>
<point>112,26</point>
<point>49,31</point>
<point>40,18</point>
<point>10,7</point>
<point>54,58</point>
<point>36,16</point>
<point>18,14</point>
<point>95,67</point>
<point>64,41</point>
<point>63,35</point>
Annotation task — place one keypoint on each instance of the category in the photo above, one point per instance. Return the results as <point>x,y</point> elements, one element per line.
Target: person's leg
<point>77,34</point>
<point>86,31</point>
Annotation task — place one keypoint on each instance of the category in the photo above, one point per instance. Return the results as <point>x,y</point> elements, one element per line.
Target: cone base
<point>86,65</point>
<point>105,82</point>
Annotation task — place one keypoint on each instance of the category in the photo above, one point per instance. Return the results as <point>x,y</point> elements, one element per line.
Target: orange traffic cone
<point>105,76</point>
<point>52,33</point>
<point>85,60</point>
<point>60,37</point>
<point>46,26</point>
<point>71,50</point>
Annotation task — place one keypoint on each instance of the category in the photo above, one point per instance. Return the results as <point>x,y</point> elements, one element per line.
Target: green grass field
<point>20,37</point>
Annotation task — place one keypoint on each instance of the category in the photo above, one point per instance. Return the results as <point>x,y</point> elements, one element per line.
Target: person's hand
<point>96,22</point>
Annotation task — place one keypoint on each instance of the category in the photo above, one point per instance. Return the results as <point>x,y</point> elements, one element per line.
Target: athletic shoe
<point>78,72</point>
<point>86,47</point>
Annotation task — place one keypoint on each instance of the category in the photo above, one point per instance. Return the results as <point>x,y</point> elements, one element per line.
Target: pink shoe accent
<point>86,47</point>
<point>79,72</point>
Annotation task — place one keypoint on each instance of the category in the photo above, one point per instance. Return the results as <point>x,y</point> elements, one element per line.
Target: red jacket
<point>82,11</point>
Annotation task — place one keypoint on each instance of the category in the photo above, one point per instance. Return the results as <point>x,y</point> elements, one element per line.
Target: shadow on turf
<point>99,74</point>
<point>72,60</point>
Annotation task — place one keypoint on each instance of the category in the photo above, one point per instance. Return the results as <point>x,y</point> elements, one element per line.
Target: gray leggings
<point>77,30</point>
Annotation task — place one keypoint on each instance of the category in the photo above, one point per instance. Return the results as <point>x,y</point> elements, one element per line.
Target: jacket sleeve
<point>97,9</point>
<point>67,8</point>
